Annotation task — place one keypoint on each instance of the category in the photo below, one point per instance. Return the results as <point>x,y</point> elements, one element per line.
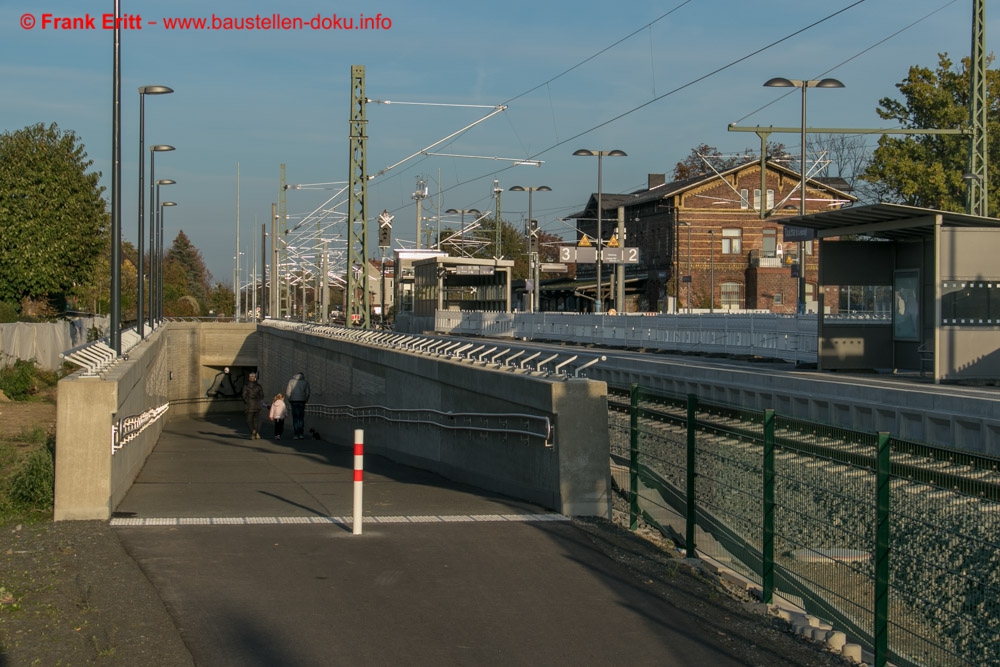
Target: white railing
<point>97,357</point>
<point>787,337</point>
<point>127,429</point>
<point>528,426</point>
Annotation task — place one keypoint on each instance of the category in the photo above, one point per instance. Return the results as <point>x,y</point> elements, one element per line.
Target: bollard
<point>359,473</point>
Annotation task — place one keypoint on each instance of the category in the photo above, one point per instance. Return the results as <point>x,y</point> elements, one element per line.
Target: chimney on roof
<point>656,179</point>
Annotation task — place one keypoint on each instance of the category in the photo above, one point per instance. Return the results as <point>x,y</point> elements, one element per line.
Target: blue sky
<point>263,98</point>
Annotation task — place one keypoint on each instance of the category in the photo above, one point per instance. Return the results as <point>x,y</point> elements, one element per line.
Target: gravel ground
<point>70,595</point>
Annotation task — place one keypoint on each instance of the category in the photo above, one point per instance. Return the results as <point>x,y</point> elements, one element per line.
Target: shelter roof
<point>885,221</point>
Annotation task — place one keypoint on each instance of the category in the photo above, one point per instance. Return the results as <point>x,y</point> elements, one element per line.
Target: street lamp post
<point>461,236</point>
<point>159,274</point>
<point>143,91</point>
<point>781,82</point>
<point>534,253</point>
<point>599,303</point>
<point>153,150</point>
<point>156,256</point>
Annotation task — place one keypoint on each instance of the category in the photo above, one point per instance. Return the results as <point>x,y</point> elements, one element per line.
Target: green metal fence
<point>893,542</point>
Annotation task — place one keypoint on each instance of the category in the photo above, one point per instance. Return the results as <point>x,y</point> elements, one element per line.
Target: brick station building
<point>705,227</point>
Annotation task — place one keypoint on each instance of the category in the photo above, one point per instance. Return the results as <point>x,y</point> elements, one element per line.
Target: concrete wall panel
<point>571,475</point>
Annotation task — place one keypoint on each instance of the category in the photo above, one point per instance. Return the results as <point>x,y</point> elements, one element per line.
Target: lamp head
<point>612,153</point>
<point>779,82</point>
<point>829,83</point>
<point>168,203</point>
<point>161,147</point>
<point>165,181</point>
<point>155,90</point>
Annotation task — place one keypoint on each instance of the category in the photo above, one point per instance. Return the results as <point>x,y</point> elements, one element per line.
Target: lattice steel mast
<point>977,200</point>
<point>358,297</point>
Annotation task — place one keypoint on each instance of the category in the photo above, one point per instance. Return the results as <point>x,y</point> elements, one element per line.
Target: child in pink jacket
<point>278,413</point>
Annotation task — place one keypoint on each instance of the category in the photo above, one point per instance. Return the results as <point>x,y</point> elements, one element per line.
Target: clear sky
<point>651,78</point>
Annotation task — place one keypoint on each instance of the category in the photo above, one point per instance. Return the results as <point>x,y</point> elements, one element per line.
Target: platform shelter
<point>907,289</point>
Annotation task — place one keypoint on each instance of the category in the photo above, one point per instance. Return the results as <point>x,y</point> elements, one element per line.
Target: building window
<point>778,299</point>
<point>769,248</point>
<point>744,201</point>
<point>732,241</point>
<point>770,199</point>
<point>732,295</point>
<point>756,198</point>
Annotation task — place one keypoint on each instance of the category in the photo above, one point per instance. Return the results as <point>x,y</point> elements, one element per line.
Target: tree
<point>93,295</point>
<point>222,300</point>
<point>695,163</point>
<point>53,219</point>
<point>186,280</point>
<point>925,169</point>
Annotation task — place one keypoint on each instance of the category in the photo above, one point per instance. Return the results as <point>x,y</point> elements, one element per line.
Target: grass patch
<point>27,477</point>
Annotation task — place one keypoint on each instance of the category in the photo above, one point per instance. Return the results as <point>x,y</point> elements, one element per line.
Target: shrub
<point>18,381</point>
<point>32,486</point>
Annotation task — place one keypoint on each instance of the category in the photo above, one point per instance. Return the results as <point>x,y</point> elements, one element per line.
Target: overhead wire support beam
<point>515,160</point>
<point>842,130</point>
<point>765,131</point>
<point>496,110</point>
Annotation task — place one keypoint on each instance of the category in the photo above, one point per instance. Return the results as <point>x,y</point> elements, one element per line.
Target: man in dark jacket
<point>297,394</point>
<point>253,397</point>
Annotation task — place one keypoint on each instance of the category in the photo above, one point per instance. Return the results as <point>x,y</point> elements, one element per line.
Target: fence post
<point>633,461</point>
<point>359,474</point>
<point>767,552</point>
<point>882,479</point>
<point>691,510</point>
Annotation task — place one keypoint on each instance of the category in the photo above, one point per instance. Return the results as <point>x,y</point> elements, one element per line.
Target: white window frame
<point>732,241</point>
<point>724,293</point>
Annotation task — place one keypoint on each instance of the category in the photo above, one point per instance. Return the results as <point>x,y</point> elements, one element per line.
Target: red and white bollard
<point>359,474</point>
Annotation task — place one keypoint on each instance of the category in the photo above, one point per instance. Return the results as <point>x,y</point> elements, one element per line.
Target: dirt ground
<point>70,594</point>
<point>18,416</point>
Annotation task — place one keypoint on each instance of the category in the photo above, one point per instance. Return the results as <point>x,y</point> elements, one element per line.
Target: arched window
<point>732,295</point>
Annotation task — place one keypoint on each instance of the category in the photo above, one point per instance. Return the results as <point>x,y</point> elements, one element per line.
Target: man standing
<point>253,397</point>
<point>297,394</point>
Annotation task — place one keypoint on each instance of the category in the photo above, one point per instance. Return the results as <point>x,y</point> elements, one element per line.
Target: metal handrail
<point>533,426</point>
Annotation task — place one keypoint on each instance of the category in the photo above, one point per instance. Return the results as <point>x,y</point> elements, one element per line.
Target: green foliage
<point>926,170</point>
<point>8,312</point>
<point>52,217</point>
<point>221,301</point>
<point>186,280</point>
<point>22,379</point>
<point>18,381</point>
<point>32,485</point>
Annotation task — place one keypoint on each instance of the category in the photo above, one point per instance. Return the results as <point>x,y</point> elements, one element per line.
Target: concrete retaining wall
<point>175,363</point>
<point>90,482</point>
<point>570,476</point>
